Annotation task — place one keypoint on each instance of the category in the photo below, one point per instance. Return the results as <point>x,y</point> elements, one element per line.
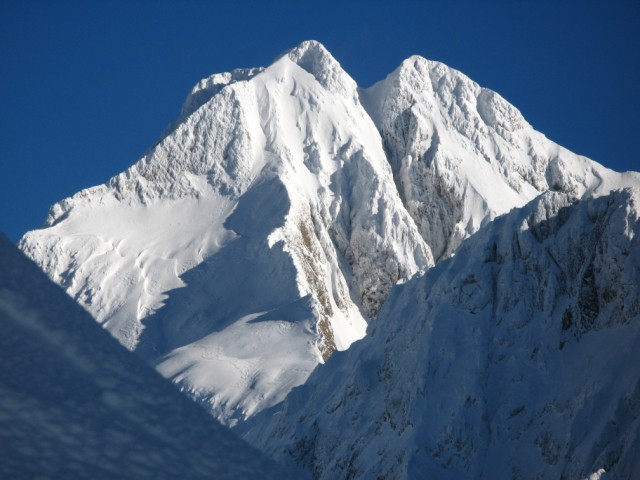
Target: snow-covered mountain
<point>516,358</point>
<point>461,154</point>
<point>271,221</point>
<point>75,404</point>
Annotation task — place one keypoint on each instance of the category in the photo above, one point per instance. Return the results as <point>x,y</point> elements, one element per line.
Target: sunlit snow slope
<point>275,215</point>
<point>76,404</point>
<point>517,358</point>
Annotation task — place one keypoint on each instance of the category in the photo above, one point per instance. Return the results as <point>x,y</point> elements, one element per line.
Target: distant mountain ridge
<point>271,222</point>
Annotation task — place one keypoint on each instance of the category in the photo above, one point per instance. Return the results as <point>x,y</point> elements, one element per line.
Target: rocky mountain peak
<point>274,218</point>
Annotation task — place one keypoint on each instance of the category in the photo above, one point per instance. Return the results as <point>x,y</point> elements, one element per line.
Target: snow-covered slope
<point>516,358</point>
<point>275,215</point>
<point>76,404</point>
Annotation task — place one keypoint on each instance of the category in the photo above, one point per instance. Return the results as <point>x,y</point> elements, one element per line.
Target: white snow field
<point>76,404</point>
<point>517,358</point>
<point>270,223</point>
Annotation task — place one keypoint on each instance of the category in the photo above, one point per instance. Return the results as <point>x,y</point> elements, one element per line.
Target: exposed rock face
<point>516,358</point>
<point>274,217</point>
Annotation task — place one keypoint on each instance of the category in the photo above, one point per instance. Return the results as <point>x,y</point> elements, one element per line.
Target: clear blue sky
<point>87,87</point>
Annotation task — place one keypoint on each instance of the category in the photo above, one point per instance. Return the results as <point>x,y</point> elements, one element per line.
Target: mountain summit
<point>270,223</point>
